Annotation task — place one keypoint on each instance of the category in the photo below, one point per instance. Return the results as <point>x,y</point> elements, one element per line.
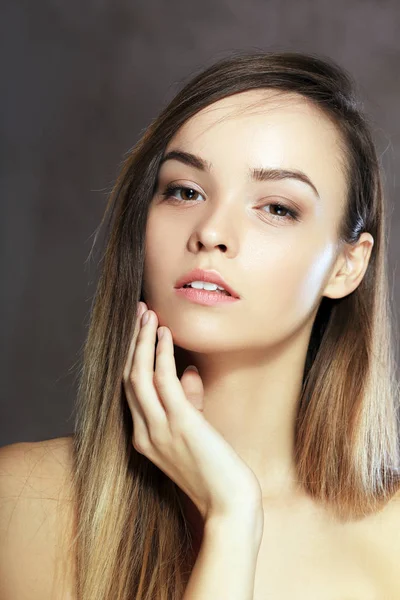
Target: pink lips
<point>210,276</point>
<point>205,297</point>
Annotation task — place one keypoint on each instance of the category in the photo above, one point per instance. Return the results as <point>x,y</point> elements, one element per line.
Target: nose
<point>217,230</point>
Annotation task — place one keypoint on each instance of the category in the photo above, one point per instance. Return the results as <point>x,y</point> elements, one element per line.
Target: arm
<point>226,565</point>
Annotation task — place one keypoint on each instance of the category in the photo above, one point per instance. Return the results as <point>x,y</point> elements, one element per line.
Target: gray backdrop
<point>80,82</point>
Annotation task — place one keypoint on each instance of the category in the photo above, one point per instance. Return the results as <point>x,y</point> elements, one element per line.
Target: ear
<point>350,267</point>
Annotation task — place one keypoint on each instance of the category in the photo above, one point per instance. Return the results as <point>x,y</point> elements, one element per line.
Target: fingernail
<point>145,317</point>
<point>192,368</point>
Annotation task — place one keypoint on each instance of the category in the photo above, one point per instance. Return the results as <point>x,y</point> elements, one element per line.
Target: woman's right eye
<point>171,190</point>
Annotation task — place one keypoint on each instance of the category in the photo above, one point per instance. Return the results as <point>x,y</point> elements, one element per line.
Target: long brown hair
<point>132,538</point>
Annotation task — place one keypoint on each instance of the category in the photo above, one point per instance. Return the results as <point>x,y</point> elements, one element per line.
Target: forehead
<point>266,128</point>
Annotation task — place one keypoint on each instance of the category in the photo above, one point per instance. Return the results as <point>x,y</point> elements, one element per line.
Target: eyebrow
<point>260,174</point>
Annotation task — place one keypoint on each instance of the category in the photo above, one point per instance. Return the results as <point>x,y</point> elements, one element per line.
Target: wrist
<point>240,522</point>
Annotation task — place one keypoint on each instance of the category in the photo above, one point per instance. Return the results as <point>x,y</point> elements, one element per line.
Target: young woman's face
<point>277,258</point>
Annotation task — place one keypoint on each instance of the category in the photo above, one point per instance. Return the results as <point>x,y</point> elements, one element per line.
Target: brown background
<point>80,83</point>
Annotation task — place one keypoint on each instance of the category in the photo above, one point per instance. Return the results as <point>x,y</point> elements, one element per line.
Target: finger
<point>136,329</point>
<point>167,383</point>
<point>142,374</point>
<point>140,430</point>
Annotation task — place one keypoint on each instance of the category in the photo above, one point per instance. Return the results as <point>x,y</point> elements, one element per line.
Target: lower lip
<point>205,297</point>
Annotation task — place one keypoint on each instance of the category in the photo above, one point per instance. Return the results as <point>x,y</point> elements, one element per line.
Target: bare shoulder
<point>391,519</point>
<point>36,520</point>
<point>389,533</point>
<point>378,546</point>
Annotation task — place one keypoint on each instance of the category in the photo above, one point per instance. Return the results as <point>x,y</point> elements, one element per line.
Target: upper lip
<point>211,276</point>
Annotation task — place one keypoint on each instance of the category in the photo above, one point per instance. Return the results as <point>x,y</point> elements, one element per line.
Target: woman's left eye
<point>290,215</point>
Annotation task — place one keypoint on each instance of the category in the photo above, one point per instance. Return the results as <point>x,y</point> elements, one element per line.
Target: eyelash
<point>292,214</point>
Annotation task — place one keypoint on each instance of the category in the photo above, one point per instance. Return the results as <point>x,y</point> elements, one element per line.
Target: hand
<point>170,430</point>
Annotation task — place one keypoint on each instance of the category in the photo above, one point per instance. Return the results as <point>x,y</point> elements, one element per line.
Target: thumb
<point>193,386</point>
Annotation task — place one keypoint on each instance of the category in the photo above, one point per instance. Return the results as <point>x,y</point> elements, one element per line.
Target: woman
<point>271,471</point>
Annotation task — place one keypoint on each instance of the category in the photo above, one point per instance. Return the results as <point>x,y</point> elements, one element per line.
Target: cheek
<point>315,275</point>
<point>293,282</point>
<point>161,256</point>
<point>162,231</point>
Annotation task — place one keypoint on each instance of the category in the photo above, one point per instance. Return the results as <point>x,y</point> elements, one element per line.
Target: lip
<point>204,297</point>
<point>210,276</point>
